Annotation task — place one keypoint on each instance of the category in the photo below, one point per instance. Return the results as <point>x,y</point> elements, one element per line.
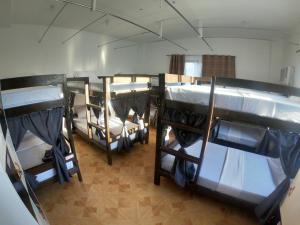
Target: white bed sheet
<point>117,87</point>
<point>241,133</point>
<point>32,95</point>
<point>81,124</point>
<point>212,164</point>
<point>31,151</point>
<point>237,99</point>
<point>240,174</point>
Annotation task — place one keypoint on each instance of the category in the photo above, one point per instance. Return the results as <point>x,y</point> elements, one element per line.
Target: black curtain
<point>184,170</point>
<point>47,125</point>
<point>97,100</point>
<point>286,146</point>
<point>122,106</point>
<point>139,105</point>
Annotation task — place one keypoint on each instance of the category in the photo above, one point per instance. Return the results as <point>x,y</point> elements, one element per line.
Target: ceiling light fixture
<point>189,23</point>
<point>125,20</point>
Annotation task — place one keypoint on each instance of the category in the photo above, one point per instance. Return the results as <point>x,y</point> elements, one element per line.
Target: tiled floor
<point>124,194</point>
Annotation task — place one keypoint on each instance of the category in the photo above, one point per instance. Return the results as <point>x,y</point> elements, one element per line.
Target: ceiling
<point>261,19</point>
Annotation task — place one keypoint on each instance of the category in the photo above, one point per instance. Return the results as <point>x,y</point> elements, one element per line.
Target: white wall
<point>255,59</point>
<point>21,54</point>
<point>291,57</point>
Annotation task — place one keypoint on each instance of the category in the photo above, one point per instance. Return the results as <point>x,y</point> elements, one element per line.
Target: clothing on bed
<point>47,125</point>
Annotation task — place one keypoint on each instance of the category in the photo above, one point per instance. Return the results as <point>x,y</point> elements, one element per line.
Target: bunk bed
<point>101,110</point>
<point>34,107</point>
<point>14,185</point>
<point>257,178</point>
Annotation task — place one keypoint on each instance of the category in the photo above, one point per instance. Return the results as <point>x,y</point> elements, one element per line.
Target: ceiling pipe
<point>189,23</point>
<point>94,3</point>
<point>52,22</point>
<point>128,46</point>
<point>83,28</point>
<point>125,20</point>
<point>122,39</point>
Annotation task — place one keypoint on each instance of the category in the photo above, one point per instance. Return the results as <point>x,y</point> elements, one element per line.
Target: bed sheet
<point>240,174</point>
<point>26,96</point>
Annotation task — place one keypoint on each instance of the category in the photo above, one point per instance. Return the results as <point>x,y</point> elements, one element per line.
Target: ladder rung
<point>94,106</point>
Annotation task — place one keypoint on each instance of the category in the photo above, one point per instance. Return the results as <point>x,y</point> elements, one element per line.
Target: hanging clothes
<point>97,100</point>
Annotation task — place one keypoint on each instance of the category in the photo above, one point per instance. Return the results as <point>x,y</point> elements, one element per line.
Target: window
<point>193,66</point>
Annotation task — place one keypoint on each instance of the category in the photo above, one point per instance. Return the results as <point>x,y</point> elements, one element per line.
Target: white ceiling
<point>264,19</point>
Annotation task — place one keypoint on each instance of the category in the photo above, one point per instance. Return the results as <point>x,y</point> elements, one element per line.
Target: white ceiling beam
<point>125,20</point>
<point>189,23</point>
<point>52,22</point>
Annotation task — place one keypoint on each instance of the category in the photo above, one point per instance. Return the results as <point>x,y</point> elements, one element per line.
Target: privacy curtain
<point>139,105</point>
<point>218,65</point>
<point>47,125</point>
<point>122,106</point>
<point>184,170</point>
<point>177,64</point>
<point>286,146</point>
<point>97,100</point>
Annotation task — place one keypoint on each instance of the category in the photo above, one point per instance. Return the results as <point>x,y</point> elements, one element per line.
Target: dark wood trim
<point>26,109</point>
<point>31,81</point>
<point>259,86</point>
<point>159,130</point>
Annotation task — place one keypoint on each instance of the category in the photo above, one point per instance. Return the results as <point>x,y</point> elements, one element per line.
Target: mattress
<point>81,124</point>
<point>31,151</point>
<point>238,99</point>
<point>26,96</point>
<point>240,133</point>
<point>240,174</point>
<point>115,87</point>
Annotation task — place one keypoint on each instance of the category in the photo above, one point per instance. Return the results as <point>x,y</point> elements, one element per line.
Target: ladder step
<point>94,106</point>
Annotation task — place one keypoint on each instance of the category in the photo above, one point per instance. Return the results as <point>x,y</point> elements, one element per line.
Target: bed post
<point>208,127</point>
<point>106,93</point>
<point>159,131</point>
<point>88,109</point>
<point>147,118</point>
<point>68,124</point>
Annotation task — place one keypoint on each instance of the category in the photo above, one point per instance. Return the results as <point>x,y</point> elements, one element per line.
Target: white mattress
<point>31,151</point>
<point>241,133</point>
<point>237,99</point>
<point>32,95</point>
<point>116,87</point>
<point>240,174</point>
<point>81,124</point>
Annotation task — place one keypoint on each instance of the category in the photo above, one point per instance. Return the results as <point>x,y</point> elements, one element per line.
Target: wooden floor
<point>124,194</point>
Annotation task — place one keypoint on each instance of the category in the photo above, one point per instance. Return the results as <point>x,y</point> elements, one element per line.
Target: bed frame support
<point>106,93</point>
<point>159,131</point>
